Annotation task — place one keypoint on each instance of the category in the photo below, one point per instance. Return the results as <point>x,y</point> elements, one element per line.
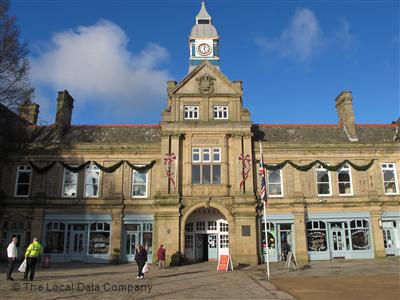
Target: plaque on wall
<point>246,230</point>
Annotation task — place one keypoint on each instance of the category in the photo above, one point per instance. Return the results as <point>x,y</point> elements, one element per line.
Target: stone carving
<point>206,141</point>
<point>206,84</point>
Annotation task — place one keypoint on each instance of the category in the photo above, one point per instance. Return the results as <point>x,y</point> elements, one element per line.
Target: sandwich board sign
<point>224,262</point>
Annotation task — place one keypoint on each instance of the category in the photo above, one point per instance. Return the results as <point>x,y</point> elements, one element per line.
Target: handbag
<point>22,267</point>
<point>145,268</point>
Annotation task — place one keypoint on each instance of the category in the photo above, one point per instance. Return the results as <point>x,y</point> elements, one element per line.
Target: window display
<point>99,240</point>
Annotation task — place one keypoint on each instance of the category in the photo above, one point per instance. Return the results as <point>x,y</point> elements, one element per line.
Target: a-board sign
<point>224,262</point>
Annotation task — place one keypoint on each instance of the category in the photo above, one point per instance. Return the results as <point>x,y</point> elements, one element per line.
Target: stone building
<point>92,192</point>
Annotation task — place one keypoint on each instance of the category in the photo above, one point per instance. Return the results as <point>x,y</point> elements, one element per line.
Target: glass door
<point>131,240</point>
<point>337,239</point>
<point>285,240</point>
<point>388,241</point>
<point>212,247</point>
<point>78,244</point>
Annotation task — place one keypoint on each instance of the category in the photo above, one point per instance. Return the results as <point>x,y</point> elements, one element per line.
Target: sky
<point>294,57</point>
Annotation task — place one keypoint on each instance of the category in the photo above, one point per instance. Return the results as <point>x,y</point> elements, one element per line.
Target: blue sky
<point>294,57</point>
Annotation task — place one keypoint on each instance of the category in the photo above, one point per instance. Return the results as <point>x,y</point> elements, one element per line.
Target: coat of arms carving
<point>206,84</point>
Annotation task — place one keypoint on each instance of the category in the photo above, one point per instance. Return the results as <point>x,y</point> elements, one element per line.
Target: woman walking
<point>161,257</point>
<point>140,258</point>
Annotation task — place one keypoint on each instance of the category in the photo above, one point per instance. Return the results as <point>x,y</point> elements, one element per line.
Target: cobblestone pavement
<point>351,279</point>
<point>83,281</point>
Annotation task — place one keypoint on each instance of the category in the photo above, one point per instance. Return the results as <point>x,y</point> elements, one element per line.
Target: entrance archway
<point>206,235</point>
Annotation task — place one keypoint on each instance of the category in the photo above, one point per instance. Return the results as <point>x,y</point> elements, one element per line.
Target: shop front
<point>279,234</point>
<point>340,235</point>
<point>83,238</point>
<point>137,229</point>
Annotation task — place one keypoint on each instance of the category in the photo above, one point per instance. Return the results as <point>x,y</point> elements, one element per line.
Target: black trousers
<point>30,268</point>
<point>140,268</point>
<point>11,264</point>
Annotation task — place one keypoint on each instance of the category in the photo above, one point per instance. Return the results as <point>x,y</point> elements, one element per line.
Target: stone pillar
<point>162,185</point>
<point>116,232</point>
<point>37,224</point>
<point>247,150</point>
<point>300,236</point>
<point>166,231</point>
<point>245,251</point>
<point>175,148</point>
<point>377,235</point>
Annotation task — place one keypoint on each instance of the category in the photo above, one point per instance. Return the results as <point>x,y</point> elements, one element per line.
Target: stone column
<point>247,150</point>
<point>37,224</point>
<point>175,148</point>
<point>300,236</point>
<point>377,235</point>
<point>116,231</point>
<point>245,251</point>
<point>166,231</point>
<point>162,185</point>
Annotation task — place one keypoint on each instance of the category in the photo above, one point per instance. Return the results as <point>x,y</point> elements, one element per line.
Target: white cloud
<point>303,38</point>
<point>94,64</point>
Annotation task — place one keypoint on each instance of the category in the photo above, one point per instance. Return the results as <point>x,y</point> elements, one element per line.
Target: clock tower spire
<point>203,40</point>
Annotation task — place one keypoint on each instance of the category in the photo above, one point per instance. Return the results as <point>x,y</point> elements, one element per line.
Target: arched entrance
<point>206,235</point>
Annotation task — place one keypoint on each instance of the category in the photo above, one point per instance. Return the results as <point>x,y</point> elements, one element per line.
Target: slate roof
<point>97,134</point>
<point>323,133</point>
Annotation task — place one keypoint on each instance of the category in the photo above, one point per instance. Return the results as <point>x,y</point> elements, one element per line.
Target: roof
<point>97,134</point>
<point>323,133</point>
<point>203,31</point>
<point>203,13</point>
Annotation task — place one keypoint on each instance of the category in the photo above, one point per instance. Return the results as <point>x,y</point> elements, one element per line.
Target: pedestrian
<point>285,248</point>
<point>141,259</point>
<point>12,254</point>
<point>31,255</point>
<point>161,256</point>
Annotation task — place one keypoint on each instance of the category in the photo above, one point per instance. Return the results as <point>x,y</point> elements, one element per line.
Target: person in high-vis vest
<point>32,253</point>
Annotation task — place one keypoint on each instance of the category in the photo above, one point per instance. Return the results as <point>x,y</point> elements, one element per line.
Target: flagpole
<point>265,213</point>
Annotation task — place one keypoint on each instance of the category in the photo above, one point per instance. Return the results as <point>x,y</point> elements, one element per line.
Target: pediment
<point>206,80</point>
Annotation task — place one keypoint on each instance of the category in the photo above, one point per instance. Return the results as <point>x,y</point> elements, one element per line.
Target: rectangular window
<point>223,227</point>
<point>323,181</point>
<point>70,184</point>
<point>139,184</point>
<point>99,240</point>
<point>223,240</point>
<point>275,183</point>
<point>54,238</point>
<point>390,179</point>
<point>344,181</point>
<point>206,168</point>
<point>220,112</point>
<point>200,225</point>
<point>189,227</point>
<point>92,181</point>
<point>191,112</point>
<point>212,225</point>
<point>188,241</point>
<point>23,181</point>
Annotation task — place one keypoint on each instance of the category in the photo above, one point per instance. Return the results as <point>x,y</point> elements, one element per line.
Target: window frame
<point>386,166</point>
<point>63,183</point>
<point>281,184</point>
<point>346,166</point>
<point>147,184</point>
<point>85,184</point>
<point>211,163</point>
<point>194,109</point>
<point>17,177</point>
<point>320,169</point>
<point>219,112</point>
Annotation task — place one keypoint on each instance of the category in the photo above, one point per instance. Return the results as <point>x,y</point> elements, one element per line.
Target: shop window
<point>206,166</point>
<point>220,112</point>
<point>23,181</point>
<point>188,241</point>
<point>92,181</point>
<point>223,240</point>
<point>270,234</point>
<point>54,238</point>
<point>200,225</point>
<point>191,112</point>
<point>223,227</point>
<point>189,227</point>
<point>148,227</point>
<point>70,184</point>
<point>344,181</point>
<point>99,238</point>
<point>316,236</point>
<point>139,184</point>
<point>212,225</point>
<point>148,242</point>
<point>390,179</point>
<point>323,181</point>
<point>359,230</point>
<point>275,183</point>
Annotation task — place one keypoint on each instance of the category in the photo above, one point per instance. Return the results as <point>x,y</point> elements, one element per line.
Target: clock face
<point>204,49</point>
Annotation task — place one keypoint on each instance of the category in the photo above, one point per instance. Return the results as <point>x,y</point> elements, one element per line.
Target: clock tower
<point>203,41</point>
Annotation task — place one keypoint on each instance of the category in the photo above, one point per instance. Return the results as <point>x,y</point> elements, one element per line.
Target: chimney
<point>344,108</point>
<point>171,84</point>
<point>64,112</point>
<point>29,112</point>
